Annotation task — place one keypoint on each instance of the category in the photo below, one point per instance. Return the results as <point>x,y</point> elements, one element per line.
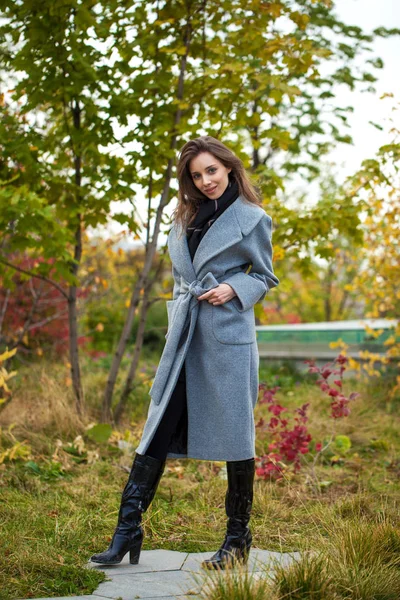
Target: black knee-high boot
<point>238,504</point>
<point>138,493</point>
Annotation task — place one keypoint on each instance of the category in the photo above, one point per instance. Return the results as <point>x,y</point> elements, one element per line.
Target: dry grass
<point>43,402</point>
<point>67,510</point>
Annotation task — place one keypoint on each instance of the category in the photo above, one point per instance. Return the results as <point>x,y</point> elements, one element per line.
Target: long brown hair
<point>189,196</point>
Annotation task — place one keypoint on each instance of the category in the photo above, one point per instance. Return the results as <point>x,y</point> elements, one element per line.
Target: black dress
<point>171,433</point>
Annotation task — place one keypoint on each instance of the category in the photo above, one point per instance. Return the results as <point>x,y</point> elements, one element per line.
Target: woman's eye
<point>212,170</point>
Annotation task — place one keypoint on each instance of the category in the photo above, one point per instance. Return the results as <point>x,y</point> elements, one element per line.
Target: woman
<point>206,385</point>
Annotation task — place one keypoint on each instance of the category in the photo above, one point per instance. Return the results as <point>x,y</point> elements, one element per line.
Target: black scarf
<point>208,212</point>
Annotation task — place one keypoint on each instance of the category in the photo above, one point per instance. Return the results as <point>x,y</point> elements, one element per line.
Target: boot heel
<point>134,553</point>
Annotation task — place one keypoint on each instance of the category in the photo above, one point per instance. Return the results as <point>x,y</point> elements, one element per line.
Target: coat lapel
<point>221,235</point>
<point>237,220</point>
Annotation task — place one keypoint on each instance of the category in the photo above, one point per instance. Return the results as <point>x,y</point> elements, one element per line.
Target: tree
<point>378,280</point>
<point>228,68</point>
<point>166,71</point>
<point>54,172</point>
<point>319,247</point>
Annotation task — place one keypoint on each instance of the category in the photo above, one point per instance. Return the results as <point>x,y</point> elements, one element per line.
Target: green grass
<point>59,503</point>
<point>355,559</point>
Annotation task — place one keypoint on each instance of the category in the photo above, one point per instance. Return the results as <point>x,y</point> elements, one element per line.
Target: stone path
<point>171,575</point>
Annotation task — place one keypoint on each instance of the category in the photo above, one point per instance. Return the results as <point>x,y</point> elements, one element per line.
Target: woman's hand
<point>218,295</point>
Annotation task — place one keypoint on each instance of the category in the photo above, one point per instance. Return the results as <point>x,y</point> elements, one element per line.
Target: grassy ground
<point>60,493</point>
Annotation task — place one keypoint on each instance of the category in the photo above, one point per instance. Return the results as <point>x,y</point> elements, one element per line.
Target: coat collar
<point>235,222</point>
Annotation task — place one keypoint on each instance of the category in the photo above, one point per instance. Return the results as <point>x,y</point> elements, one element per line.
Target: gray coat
<point>218,343</point>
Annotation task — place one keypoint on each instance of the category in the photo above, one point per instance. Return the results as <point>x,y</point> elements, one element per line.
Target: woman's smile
<point>211,190</point>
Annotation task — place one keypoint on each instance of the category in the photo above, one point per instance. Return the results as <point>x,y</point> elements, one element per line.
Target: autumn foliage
<point>290,436</point>
<point>34,312</point>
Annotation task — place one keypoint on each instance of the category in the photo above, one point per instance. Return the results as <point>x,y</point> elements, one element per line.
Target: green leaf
<point>100,433</point>
<point>342,444</point>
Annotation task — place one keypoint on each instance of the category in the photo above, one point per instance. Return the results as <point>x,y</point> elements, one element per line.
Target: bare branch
<point>37,275</point>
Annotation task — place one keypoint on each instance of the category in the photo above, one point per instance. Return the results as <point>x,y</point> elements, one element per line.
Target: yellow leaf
<point>100,327</point>
<point>279,253</point>
<point>127,303</point>
<point>339,344</point>
<point>275,9</point>
<point>375,333</point>
<point>353,364</point>
<point>394,351</point>
<point>7,354</point>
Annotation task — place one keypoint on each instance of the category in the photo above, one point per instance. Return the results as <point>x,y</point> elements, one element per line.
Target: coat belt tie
<point>197,287</point>
<point>186,310</point>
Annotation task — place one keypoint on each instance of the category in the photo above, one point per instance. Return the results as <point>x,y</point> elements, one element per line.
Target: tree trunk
<point>74,350</point>
<point>150,249</point>
<point>72,291</point>
<point>128,387</point>
<point>134,363</point>
<point>328,293</point>
<point>73,328</point>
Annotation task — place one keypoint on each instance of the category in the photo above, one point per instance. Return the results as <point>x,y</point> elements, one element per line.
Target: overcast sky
<point>369,14</point>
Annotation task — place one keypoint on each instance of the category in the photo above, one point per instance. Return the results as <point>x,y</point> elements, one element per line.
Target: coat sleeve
<point>253,286</point>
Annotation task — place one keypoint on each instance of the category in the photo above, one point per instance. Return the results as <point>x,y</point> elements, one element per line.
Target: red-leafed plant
<point>291,442</point>
<point>339,402</point>
<point>33,313</point>
<point>288,443</point>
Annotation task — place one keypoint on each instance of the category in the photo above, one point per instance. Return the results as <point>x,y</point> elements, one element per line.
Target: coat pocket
<point>230,326</point>
<point>171,306</point>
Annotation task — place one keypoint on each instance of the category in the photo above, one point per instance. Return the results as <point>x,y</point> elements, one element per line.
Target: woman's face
<point>209,175</point>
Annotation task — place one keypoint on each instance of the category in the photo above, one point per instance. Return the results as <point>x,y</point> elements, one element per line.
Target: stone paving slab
<point>149,561</point>
<point>147,585</point>
<point>87,597</point>
<point>92,597</point>
<point>172,575</point>
<point>258,559</point>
